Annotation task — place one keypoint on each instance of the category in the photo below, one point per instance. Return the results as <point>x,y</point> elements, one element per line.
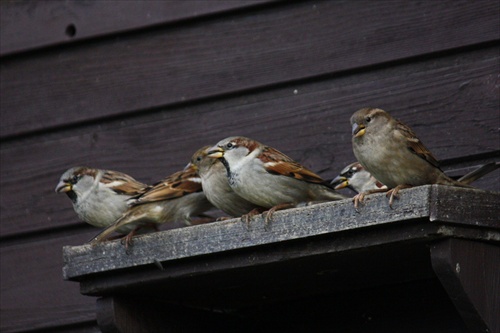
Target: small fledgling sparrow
<point>216,186</point>
<point>355,177</point>
<point>393,154</point>
<point>268,178</point>
<point>179,197</point>
<point>99,197</point>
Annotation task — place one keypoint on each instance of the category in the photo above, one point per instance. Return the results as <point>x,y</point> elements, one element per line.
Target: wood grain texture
<point>175,64</point>
<point>33,293</point>
<point>21,21</point>
<point>472,283</point>
<point>445,96</point>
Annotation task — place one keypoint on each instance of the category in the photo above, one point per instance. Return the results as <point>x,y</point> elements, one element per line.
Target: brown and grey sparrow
<point>179,197</point>
<point>355,177</point>
<point>99,197</point>
<point>216,186</point>
<point>393,154</point>
<point>268,178</point>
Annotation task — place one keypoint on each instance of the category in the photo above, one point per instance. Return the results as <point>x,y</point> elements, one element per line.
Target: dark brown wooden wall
<point>139,86</point>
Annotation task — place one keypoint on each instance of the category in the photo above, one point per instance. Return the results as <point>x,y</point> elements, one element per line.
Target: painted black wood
<point>251,50</point>
<point>28,25</point>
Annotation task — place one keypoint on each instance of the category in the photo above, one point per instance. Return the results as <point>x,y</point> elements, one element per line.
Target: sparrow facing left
<point>99,197</point>
<point>355,177</point>
<point>179,197</point>
<point>393,154</point>
<point>267,177</point>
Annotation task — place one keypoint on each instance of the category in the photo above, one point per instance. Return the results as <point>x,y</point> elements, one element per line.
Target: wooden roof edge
<point>451,210</point>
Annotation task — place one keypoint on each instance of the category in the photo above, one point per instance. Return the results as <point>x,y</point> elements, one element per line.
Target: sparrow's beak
<point>339,182</point>
<point>358,130</point>
<point>215,152</point>
<point>63,187</point>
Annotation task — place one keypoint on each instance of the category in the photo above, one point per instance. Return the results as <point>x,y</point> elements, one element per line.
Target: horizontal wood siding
<point>142,85</point>
<point>112,76</point>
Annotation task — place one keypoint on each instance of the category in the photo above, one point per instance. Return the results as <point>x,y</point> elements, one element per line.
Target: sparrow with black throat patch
<point>355,177</point>
<point>268,178</point>
<point>99,196</point>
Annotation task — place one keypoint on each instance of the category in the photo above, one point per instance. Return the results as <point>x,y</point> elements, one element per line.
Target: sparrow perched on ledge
<point>355,177</point>
<point>179,197</point>
<point>99,196</point>
<point>268,178</point>
<point>393,154</point>
<point>216,186</point>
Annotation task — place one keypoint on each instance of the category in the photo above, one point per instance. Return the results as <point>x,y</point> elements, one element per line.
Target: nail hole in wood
<point>71,30</point>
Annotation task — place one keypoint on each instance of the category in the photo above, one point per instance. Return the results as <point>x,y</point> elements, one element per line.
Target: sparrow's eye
<point>230,145</point>
<point>368,119</point>
<point>75,179</point>
<point>198,158</point>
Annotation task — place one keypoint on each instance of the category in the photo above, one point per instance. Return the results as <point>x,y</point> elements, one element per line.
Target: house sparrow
<point>393,154</point>
<point>99,196</point>
<point>355,177</point>
<point>178,197</point>
<point>216,186</point>
<point>267,177</point>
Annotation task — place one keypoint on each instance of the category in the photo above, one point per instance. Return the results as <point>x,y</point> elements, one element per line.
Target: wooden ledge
<point>438,246</point>
<point>441,211</point>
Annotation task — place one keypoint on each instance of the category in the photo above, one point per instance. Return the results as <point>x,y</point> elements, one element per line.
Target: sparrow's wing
<point>415,145</point>
<point>122,183</point>
<point>174,186</point>
<point>278,163</point>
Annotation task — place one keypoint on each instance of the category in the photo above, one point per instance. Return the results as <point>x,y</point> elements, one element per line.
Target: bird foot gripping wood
<point>393,193</point>
<point>269,214</point>
<point>128,239</point>
<point>360,197</point>
<point>248,216</point>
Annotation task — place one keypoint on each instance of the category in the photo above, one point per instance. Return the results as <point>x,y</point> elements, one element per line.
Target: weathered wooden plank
<point>309,121</point>
<point>470,274</point>
<point>229,54</point>
<point>34,295</point>
<point>301,223</point>
<point>69,21</point>
<point>459,206</point>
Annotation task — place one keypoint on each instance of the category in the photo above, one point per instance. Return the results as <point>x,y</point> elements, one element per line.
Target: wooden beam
<point>289,225</point>
<point>470,273</point>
